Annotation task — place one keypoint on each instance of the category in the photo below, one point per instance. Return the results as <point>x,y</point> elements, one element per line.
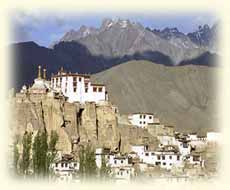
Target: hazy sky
<point>46,27</point>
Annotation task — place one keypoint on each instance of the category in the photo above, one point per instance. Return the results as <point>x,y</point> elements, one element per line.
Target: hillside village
<point>136,146</point>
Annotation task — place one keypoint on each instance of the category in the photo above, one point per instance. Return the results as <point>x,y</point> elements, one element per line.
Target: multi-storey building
<point>78,87</point>
<point>142,119</point>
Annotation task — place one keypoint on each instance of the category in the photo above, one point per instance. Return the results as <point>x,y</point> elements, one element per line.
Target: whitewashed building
<point>65,170</point>
<point>123,173</point>
<point>78,87</point>
<point>213,137</point>
<point>195,159</point>
<point>184,147</point>
<point>167,140</point>
<point>112,159</point>
<point>196,141</point>
<point>142,119</point>
<point>139,150</point>
<point>165,158</point>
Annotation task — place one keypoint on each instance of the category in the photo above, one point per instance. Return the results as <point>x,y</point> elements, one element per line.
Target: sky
<point>47,27</point>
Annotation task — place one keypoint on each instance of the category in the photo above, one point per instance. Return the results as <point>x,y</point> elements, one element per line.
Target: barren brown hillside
<point>183,96</point>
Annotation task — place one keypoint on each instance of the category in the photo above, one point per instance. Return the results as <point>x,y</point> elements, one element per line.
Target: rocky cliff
<point>76,124</point>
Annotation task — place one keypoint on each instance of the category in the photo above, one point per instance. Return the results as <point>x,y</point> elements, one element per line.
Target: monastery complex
<point>133,145</point>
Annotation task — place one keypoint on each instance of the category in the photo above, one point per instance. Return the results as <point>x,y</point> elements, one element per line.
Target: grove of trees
<point>37,154</point>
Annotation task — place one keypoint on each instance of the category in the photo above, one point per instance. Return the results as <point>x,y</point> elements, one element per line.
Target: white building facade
<point>65,170</point>
<point>213,137</point>
<point>142,119</point>
<point>164,159</point>
<point>78,87</point>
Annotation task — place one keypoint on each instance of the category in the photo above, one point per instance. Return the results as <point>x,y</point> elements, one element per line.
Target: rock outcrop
<point>76,124</point>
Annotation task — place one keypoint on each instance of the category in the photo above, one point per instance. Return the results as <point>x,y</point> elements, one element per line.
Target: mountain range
<point>92,50</point>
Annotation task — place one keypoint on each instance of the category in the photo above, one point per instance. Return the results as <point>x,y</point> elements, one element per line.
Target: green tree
<point>15,156</point>
<point>40,150</point>
<point>26,145</point>
<point>52,152</point>
<point>82,163</point>
<point>88,167</point>
<point>90,163</point>
<point>105,169</point>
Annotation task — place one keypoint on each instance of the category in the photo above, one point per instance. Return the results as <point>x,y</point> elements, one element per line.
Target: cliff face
<point>75,124</point>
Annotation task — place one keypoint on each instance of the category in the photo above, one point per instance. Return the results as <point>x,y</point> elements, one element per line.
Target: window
<point>127,171</point>
<point>95,89</point>
<point>152,153</point>
<point>185,145</point>
<point>144,122</point>
<point>75,89</point>
<point>115,161</point>
<point>74,79</point>
<point>140,116</point>
<point>74,84</point>
<point>150,117</point>
<point>86,90</point>
<point>144,116</point>
<point>146,154</point>
<point>140,122</point>
<point>158,157</point>
<point>158,163</point>
<point>75,164</point>
<point>170,157</point>
<point>178,157</point>
<point>100,89</point>
<point>66,164</point>
<point>163,157</point>
<point>79,79</point>
<point>62,165</point>
<point>196,158</point>
<point>164,163</point>
<point>56,164</point>
<point>122,161</point>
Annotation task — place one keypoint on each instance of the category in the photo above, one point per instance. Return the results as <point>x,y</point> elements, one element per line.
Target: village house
<point>112,159</point>
<point>166,139</point>
<point>139,150</point>
<point>195,159</point>
<point>213,137</point>
<point>65,169</point>
<point>165,157</point>
<point>142,120</point>
<point>197,141</point>
<point>184,146</point>
<point>123,173</point>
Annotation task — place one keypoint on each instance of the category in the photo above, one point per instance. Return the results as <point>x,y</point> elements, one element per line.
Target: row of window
<point>115,161</point>
<point>97,89</point>
<point>144,116</point>
<point>160,157</point>
<point>74,79</point>
<point>86,89</point>
<point>162,163</point>
<point>65,165</point>
<point>121,172</point>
